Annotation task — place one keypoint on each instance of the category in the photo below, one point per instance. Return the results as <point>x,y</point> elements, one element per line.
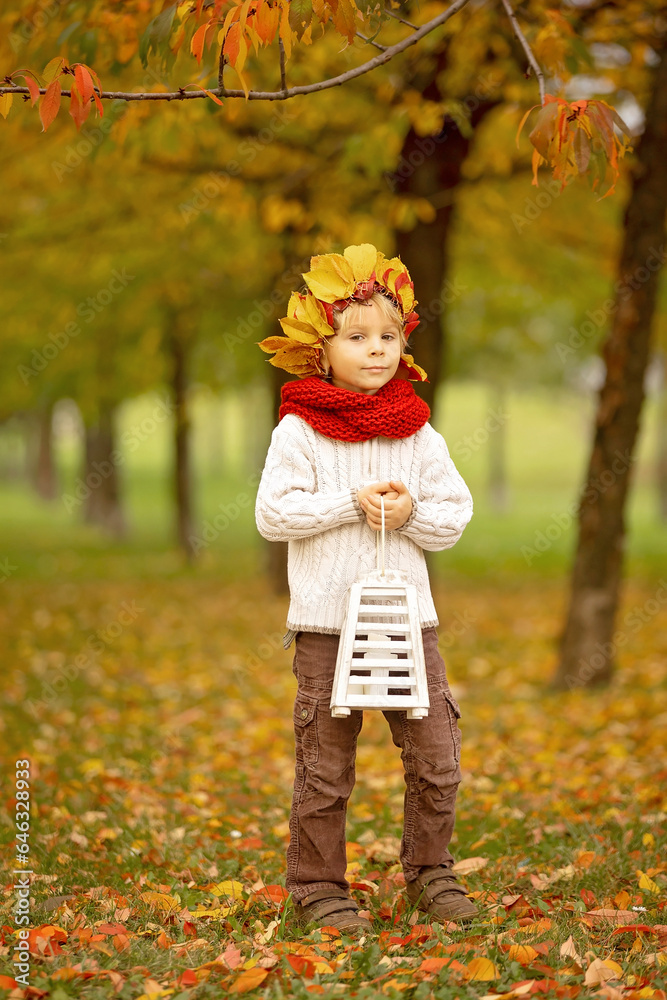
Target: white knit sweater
<point>308,497</point>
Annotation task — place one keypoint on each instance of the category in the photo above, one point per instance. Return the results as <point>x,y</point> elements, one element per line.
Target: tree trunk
<point>44,471</point>
<point>430,167</point>
<point>103,501</point>
<point>661,441</point>
<point>182,481</point>
<point>588,643</point>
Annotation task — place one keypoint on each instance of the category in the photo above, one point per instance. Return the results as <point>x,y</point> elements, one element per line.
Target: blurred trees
<point>209,215</point>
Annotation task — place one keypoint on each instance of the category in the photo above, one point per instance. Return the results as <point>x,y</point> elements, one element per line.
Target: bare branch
<point>370,41</point>
<point>526,48</point>
<point>277,95</point>
<point>221,68</point>
<point>283,83</point>
<point>401,19</point>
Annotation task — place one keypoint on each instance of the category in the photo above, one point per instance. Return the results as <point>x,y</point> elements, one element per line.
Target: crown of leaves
<point>333,283</point>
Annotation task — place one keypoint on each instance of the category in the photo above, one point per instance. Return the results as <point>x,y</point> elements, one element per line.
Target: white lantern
<point>380,663</point>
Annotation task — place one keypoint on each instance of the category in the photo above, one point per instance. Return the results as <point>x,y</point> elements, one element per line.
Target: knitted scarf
<point>395,411</point>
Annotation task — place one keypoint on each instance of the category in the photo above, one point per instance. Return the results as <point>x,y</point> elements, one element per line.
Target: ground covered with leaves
<point>156,719</point>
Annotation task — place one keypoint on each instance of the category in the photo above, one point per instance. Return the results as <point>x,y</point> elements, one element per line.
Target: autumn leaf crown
<point>333,283</point>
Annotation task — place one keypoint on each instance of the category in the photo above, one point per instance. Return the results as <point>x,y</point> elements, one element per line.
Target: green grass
<point>546,445</point>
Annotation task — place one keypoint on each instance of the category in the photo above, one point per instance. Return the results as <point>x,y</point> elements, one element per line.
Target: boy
<point>353,429</point>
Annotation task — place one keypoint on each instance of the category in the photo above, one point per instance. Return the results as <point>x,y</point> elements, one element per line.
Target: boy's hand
<point>397,504</point>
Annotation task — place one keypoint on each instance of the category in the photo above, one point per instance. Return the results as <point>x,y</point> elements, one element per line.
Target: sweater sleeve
<point>289,505</point>
<point>444,505</point>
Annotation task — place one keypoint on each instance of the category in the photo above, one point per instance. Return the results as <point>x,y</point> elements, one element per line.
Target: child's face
<point>365,355</point>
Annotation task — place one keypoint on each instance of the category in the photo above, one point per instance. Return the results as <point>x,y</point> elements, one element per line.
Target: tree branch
<point>526,47</point>
<point>283,82</point>
<point>277,95</point>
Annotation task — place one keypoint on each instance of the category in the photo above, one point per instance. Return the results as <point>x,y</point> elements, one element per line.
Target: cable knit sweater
<point>308,497</point>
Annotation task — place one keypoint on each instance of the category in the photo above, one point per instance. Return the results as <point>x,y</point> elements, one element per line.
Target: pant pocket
<point>454,713</point>
<point>305,729</point>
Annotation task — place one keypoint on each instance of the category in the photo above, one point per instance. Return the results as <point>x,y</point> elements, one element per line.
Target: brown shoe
<point>436,891</point>
<point>330,908</point>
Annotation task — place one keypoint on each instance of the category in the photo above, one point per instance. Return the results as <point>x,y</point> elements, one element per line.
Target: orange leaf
<point>302,966</point>
<point>522,953</point>
<point>98,84</point>
<point>248,980</point>
<point>30,82</point>
<point>77,108</point>
<point>188,978</point>
<point>232,43</point>
<point>266,22</point>
<point>198,40</point>
<point>84,82</point>
<point>49,106</point>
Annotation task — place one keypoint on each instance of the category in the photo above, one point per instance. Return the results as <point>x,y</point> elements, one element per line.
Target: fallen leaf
<point>481,968</point>
<point>248,980</point>
<point>469,865</point>
<point>601,970</point>
<point>568,949</point>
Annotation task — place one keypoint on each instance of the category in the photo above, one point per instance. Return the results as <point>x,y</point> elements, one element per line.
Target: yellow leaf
<point>296,330</point>
<point>363,259</point>
<point>648,840</point>
<point>647,883</point>
<point>5,104</point>
<point>481,968</point>
<point>311,311</point>
<point>233,889</point>
<point>52,68</point>
<point>161,900</point>
<point>331,279</point>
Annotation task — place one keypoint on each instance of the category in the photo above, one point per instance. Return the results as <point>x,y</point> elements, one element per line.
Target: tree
<point>589,643</point>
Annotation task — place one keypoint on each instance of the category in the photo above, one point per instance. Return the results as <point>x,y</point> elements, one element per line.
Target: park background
<point>142,615</point>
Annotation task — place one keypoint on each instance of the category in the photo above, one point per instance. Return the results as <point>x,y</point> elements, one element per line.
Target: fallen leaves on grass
<point>164,818</point>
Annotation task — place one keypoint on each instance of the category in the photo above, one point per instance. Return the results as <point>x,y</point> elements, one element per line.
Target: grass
<point>153,701</point>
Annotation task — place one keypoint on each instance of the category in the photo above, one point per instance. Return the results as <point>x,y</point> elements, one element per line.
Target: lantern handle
<point>379,542</point>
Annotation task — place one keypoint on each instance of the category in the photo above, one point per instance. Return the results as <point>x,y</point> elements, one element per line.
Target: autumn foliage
<point>573,137</point>
<point>162,783</point>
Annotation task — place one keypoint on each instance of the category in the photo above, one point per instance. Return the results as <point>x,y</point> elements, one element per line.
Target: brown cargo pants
<point>325,770</point>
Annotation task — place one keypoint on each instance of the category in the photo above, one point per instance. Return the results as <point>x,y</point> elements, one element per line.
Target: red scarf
<point>395,411</point>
